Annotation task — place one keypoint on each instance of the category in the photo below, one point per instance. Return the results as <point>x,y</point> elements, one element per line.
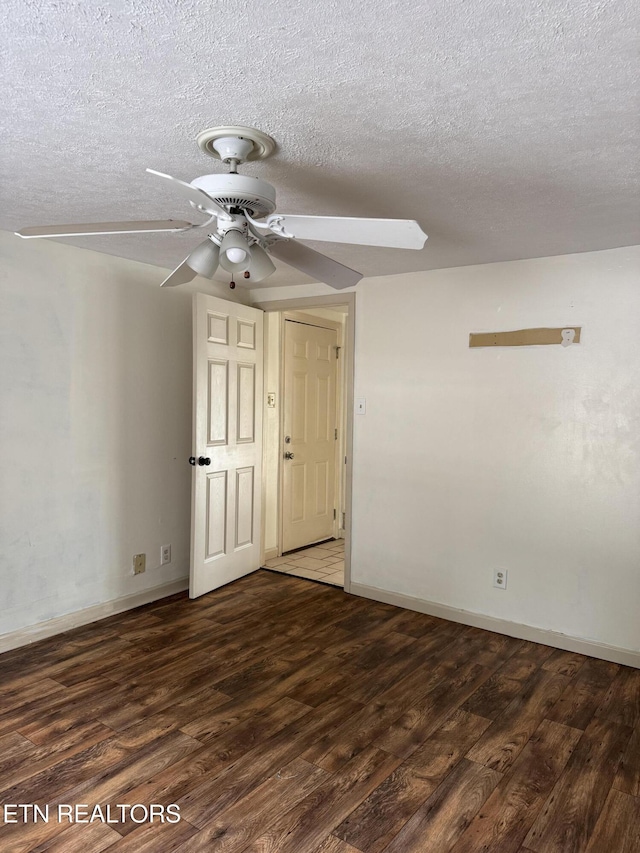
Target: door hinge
<point>338,352</point>
<point>344,519</point>
<point>336,433</point>
<point>334,515</point>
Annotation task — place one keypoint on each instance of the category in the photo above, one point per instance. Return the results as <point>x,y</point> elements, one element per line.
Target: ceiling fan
<point>245,230</point>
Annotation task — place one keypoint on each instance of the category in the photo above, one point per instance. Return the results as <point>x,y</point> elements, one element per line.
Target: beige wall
<point>520,458</point>
<point>95,428</point>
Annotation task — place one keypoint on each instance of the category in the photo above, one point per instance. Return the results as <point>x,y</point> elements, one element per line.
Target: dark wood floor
<point>285,716</point>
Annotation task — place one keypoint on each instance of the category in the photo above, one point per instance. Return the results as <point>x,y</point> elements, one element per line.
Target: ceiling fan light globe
<point>235,255</point>
<point>227,265</point>
<point>204,259</point>
<point>261,265</point>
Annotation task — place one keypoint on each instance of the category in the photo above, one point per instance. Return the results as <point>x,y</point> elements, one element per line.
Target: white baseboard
<point>270,554</point>
<point>24,636</point>
<point>627,657</point>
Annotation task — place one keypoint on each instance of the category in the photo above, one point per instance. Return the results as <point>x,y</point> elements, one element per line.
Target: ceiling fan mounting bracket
<point>273,225</point>
<point>236,142</point>
<point>276,224</point>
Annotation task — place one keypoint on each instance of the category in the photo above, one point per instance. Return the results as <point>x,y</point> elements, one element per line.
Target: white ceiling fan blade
<point>391,233</point>
<point>315,264</point>
<point>147,227</point>
<point>181,275</point>
<point>197,196</point>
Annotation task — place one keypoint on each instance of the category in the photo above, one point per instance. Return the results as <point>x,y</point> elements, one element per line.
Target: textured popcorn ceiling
<point>507,129</point>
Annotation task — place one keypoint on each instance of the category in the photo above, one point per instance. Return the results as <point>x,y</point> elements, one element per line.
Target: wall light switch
<point>361,406</point>
<point>271,400</point>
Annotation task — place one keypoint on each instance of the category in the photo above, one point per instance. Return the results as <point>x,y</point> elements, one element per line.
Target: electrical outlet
<point>165,555</point>
<point>500,578</point>
<point>139,563</point>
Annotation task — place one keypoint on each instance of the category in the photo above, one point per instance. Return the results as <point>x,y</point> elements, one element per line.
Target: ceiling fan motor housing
<point>243,191</point>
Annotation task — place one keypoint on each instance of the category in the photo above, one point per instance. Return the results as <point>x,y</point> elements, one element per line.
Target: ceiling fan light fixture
<point>261,265</point>
<point>204,258</point>
<point>235,254</point>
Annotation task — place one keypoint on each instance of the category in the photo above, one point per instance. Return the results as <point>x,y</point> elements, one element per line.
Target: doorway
<point>306,495</point>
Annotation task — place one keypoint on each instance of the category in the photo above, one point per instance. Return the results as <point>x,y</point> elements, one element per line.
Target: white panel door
<point>227,442</point>
<point>308,494</point>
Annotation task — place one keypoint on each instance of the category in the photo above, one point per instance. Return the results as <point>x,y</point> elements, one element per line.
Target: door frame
<point>300,304</point>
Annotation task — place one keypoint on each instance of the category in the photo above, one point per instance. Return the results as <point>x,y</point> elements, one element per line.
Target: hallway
<point>323,563</point>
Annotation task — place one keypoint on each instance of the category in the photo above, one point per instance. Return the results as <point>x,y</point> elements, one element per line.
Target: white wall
<point>521,458</point>
<point>95,428</point>
<point>525,458</point>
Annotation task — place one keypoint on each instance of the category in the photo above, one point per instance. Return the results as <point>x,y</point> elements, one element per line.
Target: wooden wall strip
<point>521,337</point>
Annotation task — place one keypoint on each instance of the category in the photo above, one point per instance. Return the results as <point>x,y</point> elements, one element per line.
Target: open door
<point>227,442</point>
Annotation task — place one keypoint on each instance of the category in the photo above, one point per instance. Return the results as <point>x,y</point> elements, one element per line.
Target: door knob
<point>288,455</point>
<point>192,460</point>
<point>204,460</point>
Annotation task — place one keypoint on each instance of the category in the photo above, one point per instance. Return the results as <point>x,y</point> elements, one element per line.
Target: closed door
<point>310,434</point>
<point>227,443</point>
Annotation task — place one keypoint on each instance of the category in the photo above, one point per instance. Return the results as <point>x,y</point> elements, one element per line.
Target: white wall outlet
<point>500,578</point>
<point>139,563</point>
<point>165,555</point>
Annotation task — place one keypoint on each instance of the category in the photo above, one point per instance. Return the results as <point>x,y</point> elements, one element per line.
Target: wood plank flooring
<point>283,716</point>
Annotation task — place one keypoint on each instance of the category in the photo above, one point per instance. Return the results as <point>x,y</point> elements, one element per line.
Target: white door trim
<point>348,299</point>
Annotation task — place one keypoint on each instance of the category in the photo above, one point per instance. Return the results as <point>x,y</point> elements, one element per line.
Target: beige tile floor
<point>324,563</point>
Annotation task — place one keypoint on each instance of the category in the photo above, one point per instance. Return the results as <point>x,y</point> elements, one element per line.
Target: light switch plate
<point>361,406</point>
